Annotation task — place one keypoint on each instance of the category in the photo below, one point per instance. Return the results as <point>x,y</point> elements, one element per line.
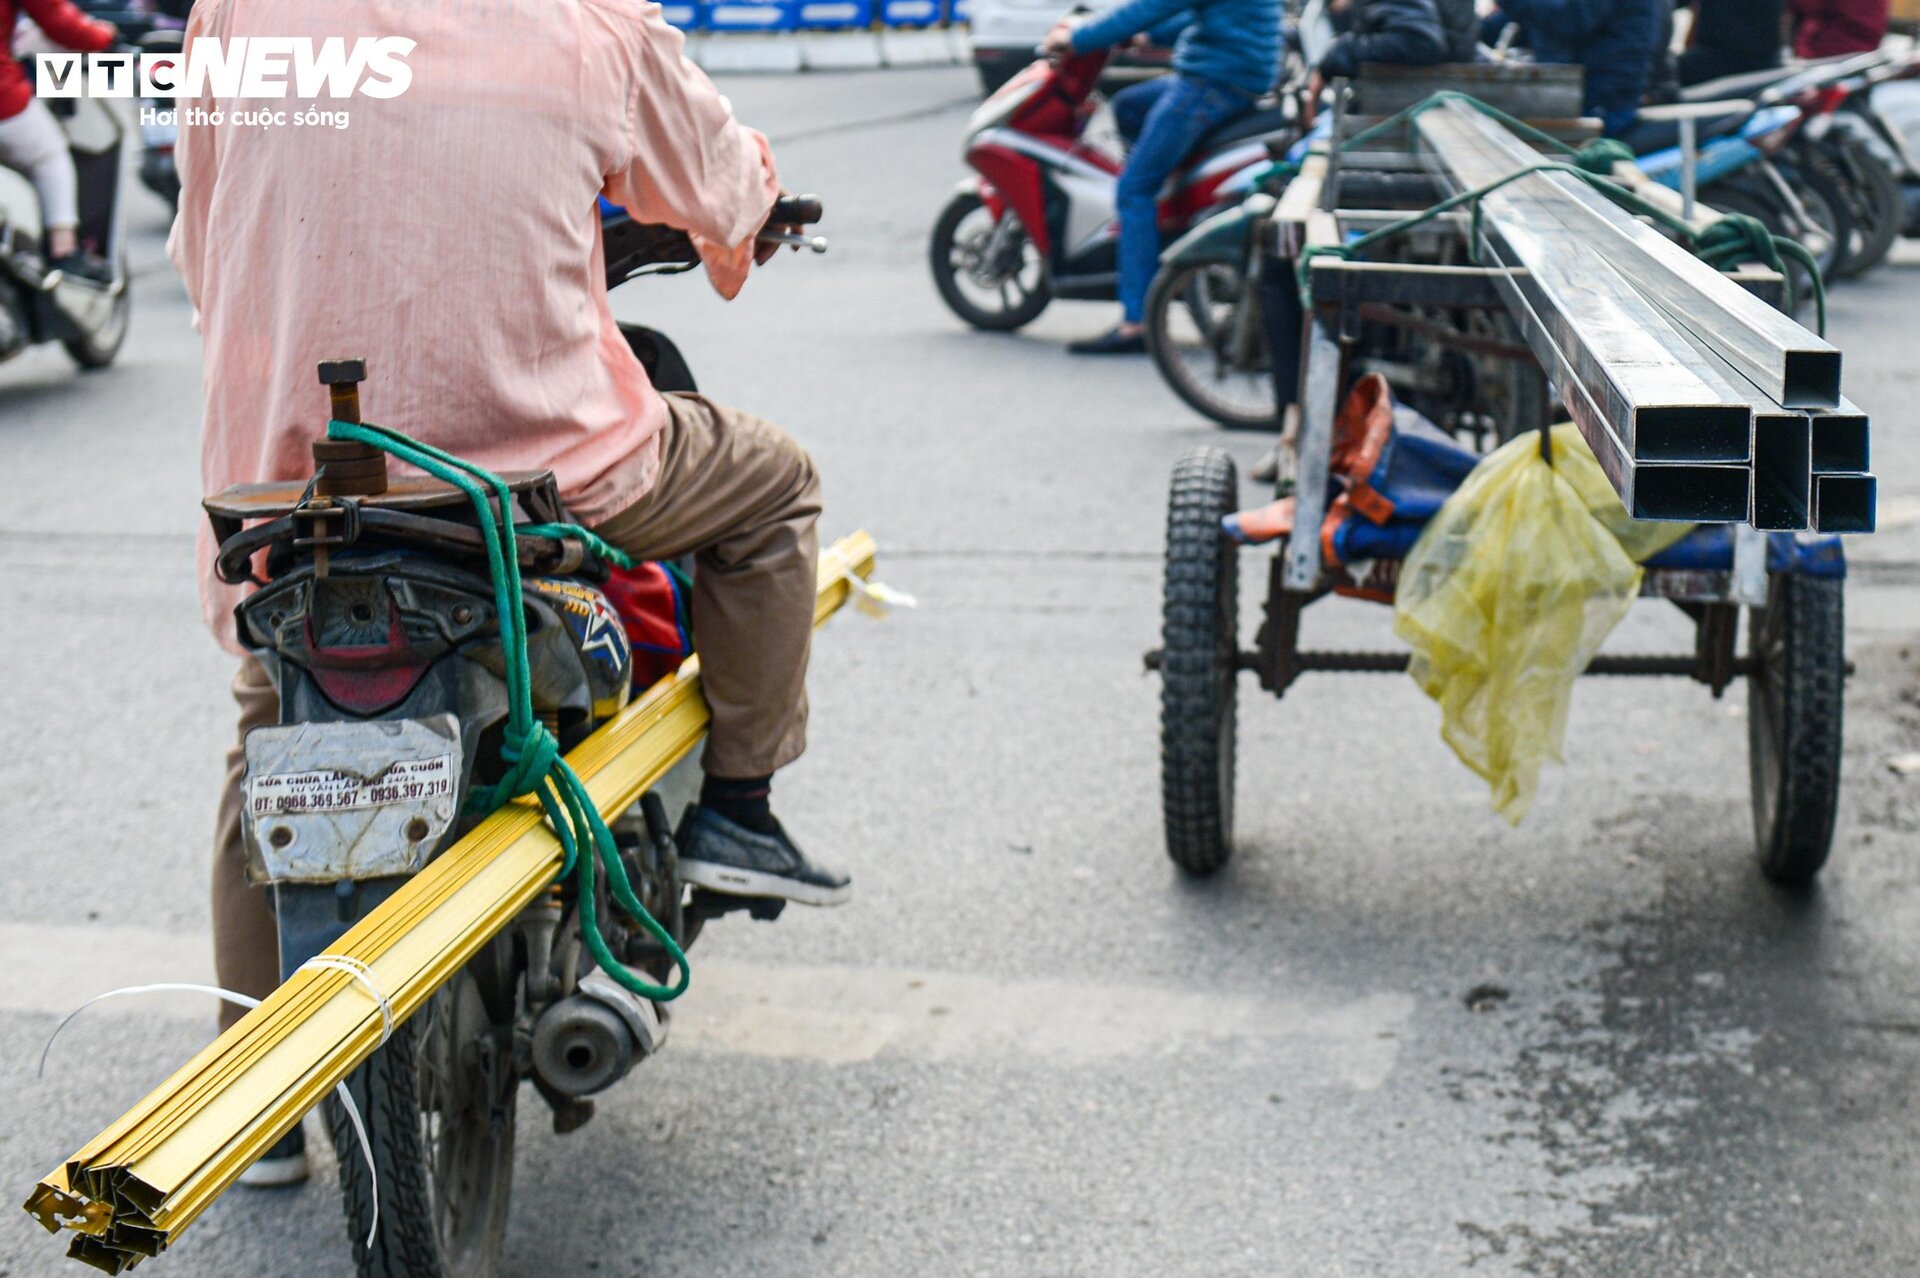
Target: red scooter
<point>1038,222</point>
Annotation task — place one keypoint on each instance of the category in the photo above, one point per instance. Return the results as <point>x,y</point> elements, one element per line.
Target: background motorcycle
<point>160,126</point>
<point>87,317</point>
<point>1038,222</point>
<point>377,622</point>
<point>1744,165</point>
<point>1878,156</point>
<point>154,27</point>
<point>1838,153</point>
<point>1204,318</point>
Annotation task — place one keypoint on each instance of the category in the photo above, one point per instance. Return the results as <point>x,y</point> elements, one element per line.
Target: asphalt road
<point>1028,1047</point>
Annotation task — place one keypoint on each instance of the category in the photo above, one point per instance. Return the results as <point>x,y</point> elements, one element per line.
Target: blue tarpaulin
<point>1421,466</point>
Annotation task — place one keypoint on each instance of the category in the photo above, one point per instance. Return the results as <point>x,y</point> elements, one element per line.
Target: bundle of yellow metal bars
<point>133,1189</point>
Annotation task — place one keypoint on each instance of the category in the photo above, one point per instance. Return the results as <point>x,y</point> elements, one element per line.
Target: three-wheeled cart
<point>1436,325</point>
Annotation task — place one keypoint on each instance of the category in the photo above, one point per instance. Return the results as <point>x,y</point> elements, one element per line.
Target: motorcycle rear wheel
<point>1192,312</point>
<point>1013,286</point>
<point>438,1103</point>
<point>1875,202</point>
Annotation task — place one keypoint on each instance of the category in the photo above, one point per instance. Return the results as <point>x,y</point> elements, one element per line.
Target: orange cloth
<point>450,236</point>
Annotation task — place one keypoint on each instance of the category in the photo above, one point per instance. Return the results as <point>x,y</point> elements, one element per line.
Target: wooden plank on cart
<point>1530,90</point>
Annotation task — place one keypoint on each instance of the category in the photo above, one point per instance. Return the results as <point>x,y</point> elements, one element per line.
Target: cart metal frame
<point>1342,296</point>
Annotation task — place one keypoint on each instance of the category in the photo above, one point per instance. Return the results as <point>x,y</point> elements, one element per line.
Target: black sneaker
<point>284,1163</point>
<point>84,266</point>
<point>1111,342</point>
<point>723,856</point>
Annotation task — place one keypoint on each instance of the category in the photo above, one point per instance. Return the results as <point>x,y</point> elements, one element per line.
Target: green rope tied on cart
<point>534,763</point>
<point>1732,239</point>
<point>1599,155</point>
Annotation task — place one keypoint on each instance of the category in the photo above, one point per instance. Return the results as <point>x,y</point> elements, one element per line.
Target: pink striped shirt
<point>450,236</point>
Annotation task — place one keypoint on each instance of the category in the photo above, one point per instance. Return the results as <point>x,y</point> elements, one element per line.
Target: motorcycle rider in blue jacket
<point>1226,54</point>
<point>1615,40</point>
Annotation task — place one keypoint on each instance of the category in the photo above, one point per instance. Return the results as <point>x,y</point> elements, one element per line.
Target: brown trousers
<point>741,497</point>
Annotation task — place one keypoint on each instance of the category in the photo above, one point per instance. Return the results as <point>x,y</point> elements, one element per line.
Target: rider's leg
<point>1133,104</point>
<point>246,940</point>
<point>32,143</point>
<point>1185,112</point>
<point>743,498</point>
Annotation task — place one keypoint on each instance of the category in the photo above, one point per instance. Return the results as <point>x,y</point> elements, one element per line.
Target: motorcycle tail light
<point>1828,100</point>
<point>367,691</point>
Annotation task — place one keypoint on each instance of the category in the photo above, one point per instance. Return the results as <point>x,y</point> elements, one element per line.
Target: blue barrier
<point>959,11</point>
<point>753,15</point>
<point>835,15</point>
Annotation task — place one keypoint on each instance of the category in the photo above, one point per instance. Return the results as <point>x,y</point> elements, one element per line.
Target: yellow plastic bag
<point>1509,592</point>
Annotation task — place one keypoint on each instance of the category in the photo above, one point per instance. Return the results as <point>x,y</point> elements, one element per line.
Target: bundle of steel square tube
<point>1701,402</point>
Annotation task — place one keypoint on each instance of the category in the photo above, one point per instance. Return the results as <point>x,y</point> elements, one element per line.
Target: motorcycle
<point>1744,164</point>
<point>39,304</point>
<point>153,27</point>
<point>1878,157</point>
<point>1845,141</point>
<point>1206,324</point>
<point>1038,222</point>
<point>160,127</point>
<point>375,616</point>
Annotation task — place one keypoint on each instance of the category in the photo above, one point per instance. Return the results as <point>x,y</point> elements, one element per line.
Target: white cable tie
<point>363,974</point>
<point>163,987</point>
<point>248,1001</point>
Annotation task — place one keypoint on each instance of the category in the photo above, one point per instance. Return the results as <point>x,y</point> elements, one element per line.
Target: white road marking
<point>834,1015</point>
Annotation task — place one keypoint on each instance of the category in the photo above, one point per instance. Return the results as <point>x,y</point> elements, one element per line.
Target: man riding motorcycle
<point>451,232</point>
<point>1226,54</point>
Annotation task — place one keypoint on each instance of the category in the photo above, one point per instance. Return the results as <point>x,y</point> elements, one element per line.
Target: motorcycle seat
<point>1256,123</point>
<point>1647,135</point>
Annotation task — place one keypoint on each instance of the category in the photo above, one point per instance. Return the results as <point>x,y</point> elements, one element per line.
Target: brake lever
<point>818,243</point>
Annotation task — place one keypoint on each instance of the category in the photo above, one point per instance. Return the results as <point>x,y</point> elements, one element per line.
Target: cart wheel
<point>1200,641</point>
<point>1794,702</point>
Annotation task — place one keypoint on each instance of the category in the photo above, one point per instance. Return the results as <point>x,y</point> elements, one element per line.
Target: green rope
<point>1723,245</point>
<point>1741,237</point>
<point>1599,155</point>
<point>574,532</point>
<point>534,764</point>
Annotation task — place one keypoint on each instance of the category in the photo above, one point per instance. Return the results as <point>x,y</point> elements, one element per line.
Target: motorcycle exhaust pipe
<point>586,1042</point>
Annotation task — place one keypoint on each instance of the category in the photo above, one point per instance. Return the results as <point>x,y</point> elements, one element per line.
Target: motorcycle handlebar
<point>634,248</point>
